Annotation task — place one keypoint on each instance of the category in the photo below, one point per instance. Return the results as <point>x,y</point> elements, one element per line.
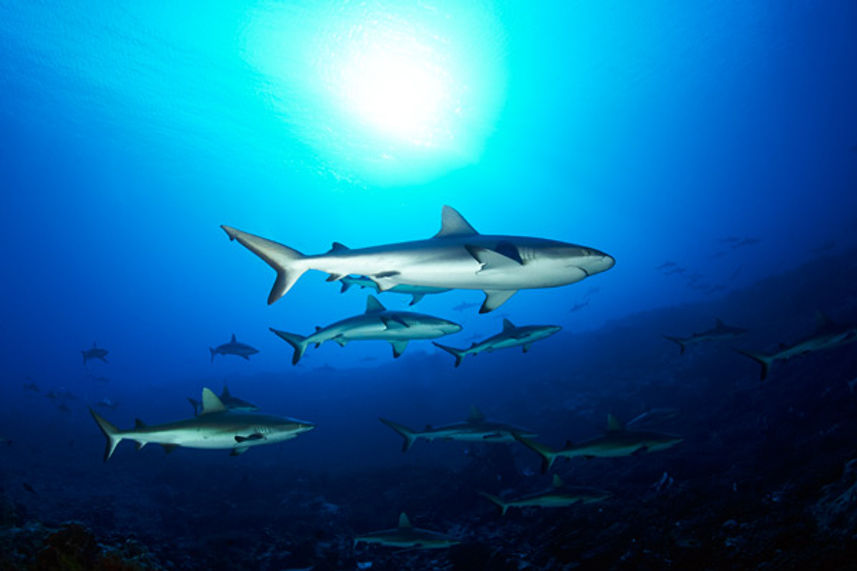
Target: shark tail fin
<point>298,343</point>
<point>403,431</point>
<point>548,455</point>
<point>111,433</point>
<point>764,360</point>
<point>457,353</point>
<point>503,506</point>
<point>282,258</point>
<point>680,343</point>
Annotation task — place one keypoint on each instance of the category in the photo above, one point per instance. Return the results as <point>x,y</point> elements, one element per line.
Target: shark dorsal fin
<point>822,320</point>
<point>403,520</point>
<point>453,224</point>
<point>373,305</point>
<point>211,402</point>
<point>233,338</point>
<point>614,424</point>
<point>225,394</point>
<point>139,423</point>
<point>568,444</point>
<point>507,325</point>
<point>475,415</point>
<point>338,247</point>
<point>557,481</point>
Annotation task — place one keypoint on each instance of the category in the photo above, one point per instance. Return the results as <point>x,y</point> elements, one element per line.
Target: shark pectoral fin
<point>255,436</point>
<point>342,341</point>
<point>385,281</point>
<point>496,298</point>
<point>394,322</point>
<point>398,348</point>
<point>494,259</point>
<point>169,447</point>
<point>238,450</point>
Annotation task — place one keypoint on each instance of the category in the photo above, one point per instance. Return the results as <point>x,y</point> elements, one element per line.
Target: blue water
<point>721,137</point>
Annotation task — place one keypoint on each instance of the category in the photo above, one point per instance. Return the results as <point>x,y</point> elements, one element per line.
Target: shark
<point>475,429</point>
<point>230,402</point>
<point>215,428</point>
<point>510,336</point>
<point>618,441</point>
<point>653,417</point>
<point>719,332</point>
<point>457,257</point>
<point>416,292</point>
<point>553,498</point>
<point>234,347</point>
<point>94,352</point>
<point>407,536</point>
<point>828,335</point>
<point>378,323</point>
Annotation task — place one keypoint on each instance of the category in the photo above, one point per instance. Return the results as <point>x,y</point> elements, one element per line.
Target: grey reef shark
<point>216,427</point>
<point>719,332</point>
<point>233,347</point>
<point>376,323</point>
<point>416,292</point>
<point>828,335</point>
<point>510,336</point>
<point>457,257</point>
<point>475,429</point>
<point>94,352</point>
<point>557,497</point>
<point>232,403</point>
<point>407,536</point>
<point>618,441</point>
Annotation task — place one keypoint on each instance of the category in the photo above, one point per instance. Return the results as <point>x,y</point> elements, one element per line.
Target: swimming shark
<point>215,428</point>
<point>510,336</point>
<point>416,292</point>
<point>456,257</point>
<point>230,402</point>
<point>719,332</point>
<point>475,429</point>
<point>828,335</point>
<point>616,442</point>
<point>377,322</point>
<point>405,535</point>
<point>234,347</point>
<point>553,498</point>
<point>653,417</point>
<point>94,352</point>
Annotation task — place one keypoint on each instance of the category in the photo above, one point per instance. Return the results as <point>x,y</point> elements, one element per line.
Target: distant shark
<point>407,536</point>
<point>719,332</point>
<point>510,336</point>
<point>416,292</point>
<point>554,498</point>
<point>215,428</point>
<point>616,442</point>
<point>653,417</point>
<point>828,335</point>
<point>230,402</point>
<point>456,257</point>
<point>233,348</point>
<point>94,352</point>
<point>377,322</point>
<point>475,429</point>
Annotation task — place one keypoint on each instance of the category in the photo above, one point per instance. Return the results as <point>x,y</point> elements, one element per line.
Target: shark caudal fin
<point>297,342</point>
<point>503,506</point>
<point>764,360</point>
<point>403,431</point>
<point>680,343</point>
<point>282,258</point>
<point>459,354</point>
<point>111,433</point>
<point>548,455</point>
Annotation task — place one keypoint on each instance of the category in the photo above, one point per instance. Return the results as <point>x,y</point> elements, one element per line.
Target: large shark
<point>94,352</point>
<point>456,257</point>
<point>616,442</point>
<point>553,498</point>
<point>475,429</point>
<point>405,535</point>
<point>230,402</point>
<point>234,347</point>
<point>719,332</point>
<point>377,322</point>
<point>510,336</point>
<point>416,292</point>
<point>215,428</point>
<point>828,335</point>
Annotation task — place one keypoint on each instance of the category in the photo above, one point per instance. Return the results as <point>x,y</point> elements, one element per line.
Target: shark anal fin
<point>495,298</point>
